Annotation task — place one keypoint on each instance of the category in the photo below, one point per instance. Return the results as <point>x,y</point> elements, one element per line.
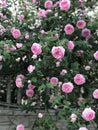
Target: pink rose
<point>40,115</point>
<point>54,81</point>
<point>73,117</point>
<point>16,33</point>
<point>57,64</point>
<point>80,99</point>
<point>69,29</point>
<point>20,127</point>
<point>67,87</point>
<point>18,81</point>
<point>31,68</point>
<point>80,3</point>
<point>48,4</point>
<point>19,45</point>
<point>88,114</point>
<point>21,76</point>
<point>79,79</point>
<point>58,52</point>
<point>63,72</point>
<point>13,48</point>
<point>1,58</point>
<point>83,128</point>
<point>34,57</point>
<point>95,94</point>
<point>31,86</point>
<point>29,92</point>
<point>42,13</point>
<point>27,36</point>
<point>34,1</point>
<point>51,98</point>
<point>6,47</point>
<point>64,5</point>
<point>96,55</point>
<point>21,17</point>
<point>57,4</point>
<point>4,4</point>
<point>86,33</point>
<point>36,48</point>
<point>81,24</point>
<point>71,45</point>
<point>87,67</point>
<point>56,35</point>
<point>56,14</point>
<point>42,32</point>
<point>48,11</point>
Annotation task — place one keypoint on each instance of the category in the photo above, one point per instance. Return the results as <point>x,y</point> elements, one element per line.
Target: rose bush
<point>53,55</point>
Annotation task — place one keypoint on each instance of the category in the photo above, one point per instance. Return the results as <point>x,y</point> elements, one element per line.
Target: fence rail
<point>10,96</point>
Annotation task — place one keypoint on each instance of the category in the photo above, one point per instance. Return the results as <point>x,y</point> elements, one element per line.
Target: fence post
<point>19,96</point>
<point>8,98</point>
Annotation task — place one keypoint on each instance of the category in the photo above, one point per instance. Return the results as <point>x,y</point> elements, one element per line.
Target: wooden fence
<point>10,96</point>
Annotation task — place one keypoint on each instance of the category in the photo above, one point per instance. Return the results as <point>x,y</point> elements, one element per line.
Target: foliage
<point>48,31</point>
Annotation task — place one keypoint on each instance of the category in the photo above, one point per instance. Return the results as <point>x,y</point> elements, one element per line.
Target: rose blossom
<point>58,52</point>
<point>6,47</point>
<point>34,56</point>
<point>4,4</point>
<point>40,115</point>
<point>31,68</point>
<point>73,117</point>
<point>51,98</point>
<point>83,128</point>
<point>56,14</point>
<point>95,94</point>
<point>67,87</point>
<point>27,36</point>
<point>18,81</point>
<point>42,32</point>
<point>48,4</point>
<point>80,99</point>
<point>81,24</point>
<point>36,48</point>
<point>86,33</point>
<point>88,114</point>
<point>87,67</point>
<point>48,11</point>
<point>80,3</point>
<point>63,72</point>
<point>79,79</point>
<point>69,29</point>
<point>96,55</point>
<point>16,33</point>
<point>19,45</point>
<point>42,13</point>
<point>13,48</point>
<point>34,1</point>
<point>64,5</point>
<point>71,45</point>
<point>56,35</point>
<point>54,81</point>
<point>21,76</point>
<point>20,127</point>
<point>29,92</point>
<point>58,64</point>
<point>57,4</point>
<point>1,57</point>
<point>21,17</point>
<point>31,86</point>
